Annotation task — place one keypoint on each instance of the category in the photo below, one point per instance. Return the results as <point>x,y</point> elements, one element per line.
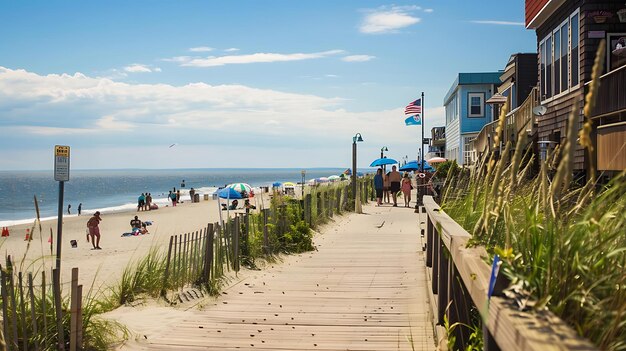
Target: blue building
<point>467,112</point>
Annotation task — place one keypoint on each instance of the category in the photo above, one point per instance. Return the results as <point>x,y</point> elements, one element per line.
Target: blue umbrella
<point>229,193</point>
<point>383,161</point>
<point>414,166</point>
<point>277,184</point>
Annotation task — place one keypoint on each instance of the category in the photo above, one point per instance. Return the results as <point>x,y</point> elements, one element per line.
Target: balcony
<point>611,93</point>
<point>438,136</point>
<point>520,119</point>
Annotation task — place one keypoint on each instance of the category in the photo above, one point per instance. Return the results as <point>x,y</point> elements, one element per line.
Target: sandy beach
<point>104,267</point>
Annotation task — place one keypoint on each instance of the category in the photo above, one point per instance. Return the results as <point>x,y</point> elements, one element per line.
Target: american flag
<point>414,107</point>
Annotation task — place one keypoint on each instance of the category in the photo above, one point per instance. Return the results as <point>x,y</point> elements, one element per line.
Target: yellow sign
<point>60,150</point>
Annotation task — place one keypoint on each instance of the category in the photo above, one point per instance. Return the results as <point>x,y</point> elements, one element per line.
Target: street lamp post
<point>382,155</point>
<point>356,138</point>
<point>303,173</point>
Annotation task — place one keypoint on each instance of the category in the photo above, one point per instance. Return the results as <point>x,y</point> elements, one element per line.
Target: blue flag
<point>413,120</point>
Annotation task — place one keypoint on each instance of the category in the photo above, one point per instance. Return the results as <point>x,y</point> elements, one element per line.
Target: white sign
<point>61,163</point>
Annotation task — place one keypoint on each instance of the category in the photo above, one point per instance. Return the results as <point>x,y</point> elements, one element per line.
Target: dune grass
<point>563,243</point>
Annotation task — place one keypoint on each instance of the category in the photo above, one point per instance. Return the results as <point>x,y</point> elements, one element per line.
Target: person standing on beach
<point>141,202</point>
<point>80,208</point>
<point>379,186</point>
<point>94,230</point>
<point>172,197</point>
<point>148,202</point>
<point>68,208</point>
<point>192,192</point>
<point>394,180</point>
<point>177,196</point>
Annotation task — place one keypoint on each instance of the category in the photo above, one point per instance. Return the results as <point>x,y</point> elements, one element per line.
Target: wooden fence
<point>460,277</point>
<point>200,257</point>
<point>35,314</point>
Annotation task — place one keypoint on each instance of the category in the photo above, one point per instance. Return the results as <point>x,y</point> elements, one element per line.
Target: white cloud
<point>213,61</point>
<point>358,58</point>
<point>139,68</point>
<point>201,49</point>
<point>231,49</point>
<point>499,23</point>
<point>429,10</point>
<point>389,20</point>
<point>331,76</point>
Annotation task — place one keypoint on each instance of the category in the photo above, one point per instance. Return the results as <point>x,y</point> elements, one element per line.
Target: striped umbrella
<point>241,188</point>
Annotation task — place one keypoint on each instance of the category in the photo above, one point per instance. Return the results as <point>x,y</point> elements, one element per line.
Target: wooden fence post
<point>443,296</point>
<point>167,268</point>
<point>56,289</point>
<point>33,315</point>
<point>236,244</point>
<point>429,241</point>
<point>435,259</point>
<point>12,299</point>
<point>208,257</point>
<point>44,304</point>
<point>266,239</point>
<point>74,310</point>
<point>79,326</point>
<point>5,309</point>
<point>20,282</point>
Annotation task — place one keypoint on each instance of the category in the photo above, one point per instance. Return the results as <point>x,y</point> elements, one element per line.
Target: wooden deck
<point>364,289</point>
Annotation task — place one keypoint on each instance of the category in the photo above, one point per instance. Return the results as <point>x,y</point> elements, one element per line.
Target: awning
<point>497,98</point>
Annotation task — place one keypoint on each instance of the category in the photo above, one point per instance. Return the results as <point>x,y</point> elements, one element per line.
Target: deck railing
<point>459,280</point>
<point>611,93</point>
<point>516,120</point>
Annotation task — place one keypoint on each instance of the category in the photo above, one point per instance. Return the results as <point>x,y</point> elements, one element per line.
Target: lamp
<point>356,138</point>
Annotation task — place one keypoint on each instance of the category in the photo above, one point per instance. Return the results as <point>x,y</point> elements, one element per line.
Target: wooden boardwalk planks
<point>364,289</point>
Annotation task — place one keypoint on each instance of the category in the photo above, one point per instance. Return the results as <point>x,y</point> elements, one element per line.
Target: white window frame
<point>553,77</point>
<point>469,105</point>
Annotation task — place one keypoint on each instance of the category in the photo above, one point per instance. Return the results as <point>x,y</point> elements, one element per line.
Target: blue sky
<point>235,83</point>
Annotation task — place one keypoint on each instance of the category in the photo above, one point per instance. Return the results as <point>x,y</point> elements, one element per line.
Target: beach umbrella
<point>383,161</point>
<point>436,160</point>
<point>312,181</point>
<point>277,184</point>
<point>323,180</point>
<point>228,193</point>
<point>411,166</point>
<point>334,178</point>
<point>241,187</point>
<point>289,184</point>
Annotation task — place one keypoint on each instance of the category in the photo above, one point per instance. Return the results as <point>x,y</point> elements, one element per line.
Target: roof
<point>473,78</point>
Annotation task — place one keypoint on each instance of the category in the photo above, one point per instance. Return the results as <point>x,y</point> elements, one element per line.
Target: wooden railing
<point>459,280</point>
<point>611,93</point>
<point>516,120</point>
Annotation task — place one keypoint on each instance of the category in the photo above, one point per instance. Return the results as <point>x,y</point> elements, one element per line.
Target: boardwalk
<point>364,289</point>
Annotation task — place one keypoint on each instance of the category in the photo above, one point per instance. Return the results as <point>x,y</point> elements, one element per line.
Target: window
<point>575,23</point>
<point>559,58</point>
<point>476,104</point>
<point>564,62</point>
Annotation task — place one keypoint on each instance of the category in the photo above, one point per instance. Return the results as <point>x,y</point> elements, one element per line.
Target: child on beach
<point>406,189</point>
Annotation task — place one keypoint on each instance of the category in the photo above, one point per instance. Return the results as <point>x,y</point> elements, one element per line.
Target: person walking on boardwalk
<point>94,230</point>
<point>406,189</point>
<point>394,181</point>
<point>379,186</point>
<point>386,187</point>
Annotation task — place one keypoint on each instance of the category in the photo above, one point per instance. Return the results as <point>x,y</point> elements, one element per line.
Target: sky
<point>215,84</point>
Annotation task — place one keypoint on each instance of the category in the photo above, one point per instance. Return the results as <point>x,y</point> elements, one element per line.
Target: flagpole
<point>422,146</point>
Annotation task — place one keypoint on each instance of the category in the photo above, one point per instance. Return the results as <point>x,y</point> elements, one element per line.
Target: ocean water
<point>117,190</point>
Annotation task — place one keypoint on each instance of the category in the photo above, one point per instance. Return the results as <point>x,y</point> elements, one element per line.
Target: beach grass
<point>562,242</point>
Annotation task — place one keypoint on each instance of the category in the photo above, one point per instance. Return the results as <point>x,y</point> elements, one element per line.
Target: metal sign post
<point>61,174</point>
